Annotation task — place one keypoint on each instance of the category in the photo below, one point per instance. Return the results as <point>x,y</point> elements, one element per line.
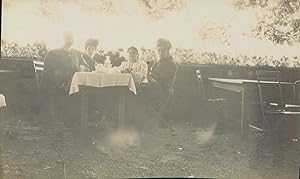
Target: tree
<point>157,9</point>
<point>280,23</point>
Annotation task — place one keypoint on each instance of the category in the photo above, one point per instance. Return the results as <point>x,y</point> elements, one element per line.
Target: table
<point>81,80</point>
<point>243,86</point>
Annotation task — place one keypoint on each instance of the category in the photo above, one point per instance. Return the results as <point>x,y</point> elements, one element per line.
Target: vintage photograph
<point>150,89</point>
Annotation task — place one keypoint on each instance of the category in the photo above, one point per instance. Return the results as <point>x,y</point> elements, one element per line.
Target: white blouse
<point>139,70</point>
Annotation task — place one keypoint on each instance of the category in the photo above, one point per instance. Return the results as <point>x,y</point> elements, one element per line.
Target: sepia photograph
<point>102,89</point>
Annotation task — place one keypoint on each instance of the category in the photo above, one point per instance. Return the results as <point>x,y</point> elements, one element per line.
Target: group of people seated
<point>61,64</point>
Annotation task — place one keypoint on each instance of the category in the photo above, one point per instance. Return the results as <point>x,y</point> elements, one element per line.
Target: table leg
<point>299,134</point>
<point>244,116</point>
<point>122,107</point>
<point>84,109</point>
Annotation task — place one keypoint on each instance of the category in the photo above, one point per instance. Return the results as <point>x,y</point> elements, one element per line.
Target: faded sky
<point>23,22</point>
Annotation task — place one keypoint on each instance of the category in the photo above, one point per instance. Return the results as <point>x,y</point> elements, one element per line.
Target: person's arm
<point>171,87</point>
<point>151,79</point>
<point>51,65</point>
<point>49,62</point>
<point>141,75</point>
<point>123,67</point>
<point>51,78</point>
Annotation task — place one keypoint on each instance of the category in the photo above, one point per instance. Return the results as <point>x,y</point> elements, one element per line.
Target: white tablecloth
<point>94,79</point>
<point>2,100</point>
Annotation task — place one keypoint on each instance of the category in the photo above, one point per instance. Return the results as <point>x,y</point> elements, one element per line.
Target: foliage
<point>280,21</point>
<point>31,51</point>
<point>49,8</point>
<point>182,56</point>
<point>189,56</point>
<point>157,9</point>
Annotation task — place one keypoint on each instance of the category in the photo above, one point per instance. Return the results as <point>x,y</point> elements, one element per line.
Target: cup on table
<point>99,67</point>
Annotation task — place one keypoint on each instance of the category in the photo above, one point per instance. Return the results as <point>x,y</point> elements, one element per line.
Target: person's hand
<point>136,77</point>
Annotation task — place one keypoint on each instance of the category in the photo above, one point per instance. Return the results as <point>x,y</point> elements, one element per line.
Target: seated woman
<point>137,68</point>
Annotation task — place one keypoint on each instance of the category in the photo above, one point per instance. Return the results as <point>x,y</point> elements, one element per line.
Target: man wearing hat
<point>160,78</point>
<point>163,70</point>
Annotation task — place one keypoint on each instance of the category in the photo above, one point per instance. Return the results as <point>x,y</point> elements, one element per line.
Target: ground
<point>34,147</point>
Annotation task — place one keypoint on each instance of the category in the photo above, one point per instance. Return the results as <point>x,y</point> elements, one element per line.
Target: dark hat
<point>132,48</point>
<point>163,43</point>
<point>91,42</point>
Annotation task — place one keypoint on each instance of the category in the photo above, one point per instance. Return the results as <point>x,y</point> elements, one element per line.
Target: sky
<point>23,22</point>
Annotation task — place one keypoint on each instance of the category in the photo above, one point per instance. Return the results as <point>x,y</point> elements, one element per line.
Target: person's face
<point>133,55</point>
<point>90,50</point>
<point>68,39</point>
<point>162,52</point>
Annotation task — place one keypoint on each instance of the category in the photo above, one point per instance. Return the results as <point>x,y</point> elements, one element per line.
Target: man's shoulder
<point>53,53</point>
<point>171,62</point>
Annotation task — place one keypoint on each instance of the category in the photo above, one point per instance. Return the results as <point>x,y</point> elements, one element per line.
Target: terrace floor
<point>34,147</point>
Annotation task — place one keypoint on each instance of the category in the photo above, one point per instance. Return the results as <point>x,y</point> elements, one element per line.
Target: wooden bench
<point>39,68</point>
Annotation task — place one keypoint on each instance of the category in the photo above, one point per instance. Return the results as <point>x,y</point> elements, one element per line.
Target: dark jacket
<point>163,72</point>
<point>90,61</point>
<point>60,66</point>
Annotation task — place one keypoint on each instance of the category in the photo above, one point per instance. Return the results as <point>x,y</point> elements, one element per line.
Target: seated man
<point>162,71</point>
<point>60,66</point>
<point>88,55</point>
<point>161,75</point>
<point>136,67</point>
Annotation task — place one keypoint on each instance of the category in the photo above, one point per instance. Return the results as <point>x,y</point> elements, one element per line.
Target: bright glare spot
<point>124,139</point>
<point>202,137</point>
